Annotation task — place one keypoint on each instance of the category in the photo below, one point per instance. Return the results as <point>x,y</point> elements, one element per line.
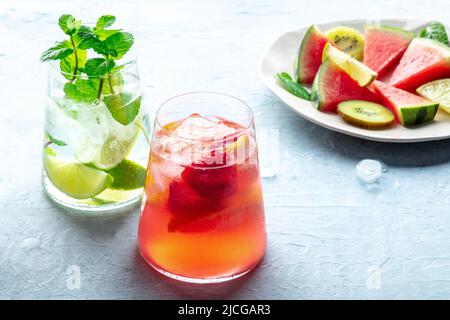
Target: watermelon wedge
<point>425,60</point>
<point>384,46</point>
<point>409,109</point>
<point>333,85</point>
<point>310,55</point>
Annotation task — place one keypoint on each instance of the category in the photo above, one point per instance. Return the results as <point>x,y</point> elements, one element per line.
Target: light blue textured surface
<point>329,236</point>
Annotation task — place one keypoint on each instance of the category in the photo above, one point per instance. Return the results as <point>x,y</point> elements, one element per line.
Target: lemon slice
<point>76,180</point>
<point>355,69</point>
<point>437,91</point>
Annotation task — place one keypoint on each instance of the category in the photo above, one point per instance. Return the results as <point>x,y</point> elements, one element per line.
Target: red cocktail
<point>203,215</point>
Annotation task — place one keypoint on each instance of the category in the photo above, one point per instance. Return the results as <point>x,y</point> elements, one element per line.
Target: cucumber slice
<point>365,114</point>
<point>348,40</point>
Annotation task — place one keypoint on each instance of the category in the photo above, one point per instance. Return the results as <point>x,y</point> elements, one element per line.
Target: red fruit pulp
<point>424,61</point>
<point>310,55</point>
<point>384,47</point>
<point>336,86</point>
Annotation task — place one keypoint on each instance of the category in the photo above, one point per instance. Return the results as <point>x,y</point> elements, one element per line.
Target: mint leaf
<point>98,67</point>
<point>118,44</point>
<point>102,34</point>
<point>435,31</point>
<point>67,64</point>
<point>114,80</point>
<point>100,48</point>
<point>123,109</point>
<point>68,24</point>
<point>286,82</point>
<point>105,21</point>
<point>85,32</point>
<point>55,141</point>
<point>87,38</point>
<point>60,50</point>
<point>83,90</point>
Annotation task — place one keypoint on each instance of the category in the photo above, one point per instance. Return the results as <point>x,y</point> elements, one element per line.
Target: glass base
<point>76,206</point>
<point>199,280</point>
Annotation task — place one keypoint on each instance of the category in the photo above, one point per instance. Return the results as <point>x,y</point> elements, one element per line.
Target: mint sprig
<point>102,79</point>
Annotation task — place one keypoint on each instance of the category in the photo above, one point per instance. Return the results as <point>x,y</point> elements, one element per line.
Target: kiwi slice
<point>365,114</point>
<point>348,40</point>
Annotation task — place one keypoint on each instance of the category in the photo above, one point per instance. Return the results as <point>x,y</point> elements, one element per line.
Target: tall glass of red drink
<point>202,216</point>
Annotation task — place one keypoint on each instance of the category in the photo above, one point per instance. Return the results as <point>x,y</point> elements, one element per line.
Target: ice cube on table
<point>369,170</point>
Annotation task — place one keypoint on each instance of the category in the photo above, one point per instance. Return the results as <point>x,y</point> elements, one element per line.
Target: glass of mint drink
<point>96,132</point>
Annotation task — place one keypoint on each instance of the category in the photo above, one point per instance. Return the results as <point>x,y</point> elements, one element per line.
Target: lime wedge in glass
<point>355,69</point>
<point>113,152</point>
<point>437,91</point>
<point>76,180</point>
<point>128,175</point>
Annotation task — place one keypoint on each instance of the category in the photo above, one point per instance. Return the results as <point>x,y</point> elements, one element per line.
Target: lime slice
<point>128,175</point>
<point>113,152</point>
<point>437,91</point>
<point>355,69</point>
<point>76,180</point>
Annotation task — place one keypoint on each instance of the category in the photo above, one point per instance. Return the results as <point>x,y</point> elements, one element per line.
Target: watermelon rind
<point>437,45</point>
<point>410,109</point>
<point>417,114</point>
<point>406,34</point>
<point>312,30</point>
<point>316,94</point>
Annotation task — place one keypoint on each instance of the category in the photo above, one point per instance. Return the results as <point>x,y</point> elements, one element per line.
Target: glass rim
<point>216,93</point>
<point>54,65</point>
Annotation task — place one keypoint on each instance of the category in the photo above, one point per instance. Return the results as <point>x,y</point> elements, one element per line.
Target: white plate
<point>281,57</point>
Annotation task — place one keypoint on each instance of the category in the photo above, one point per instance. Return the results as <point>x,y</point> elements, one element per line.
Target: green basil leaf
<point>435,31</point>
<point>286,81</point>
